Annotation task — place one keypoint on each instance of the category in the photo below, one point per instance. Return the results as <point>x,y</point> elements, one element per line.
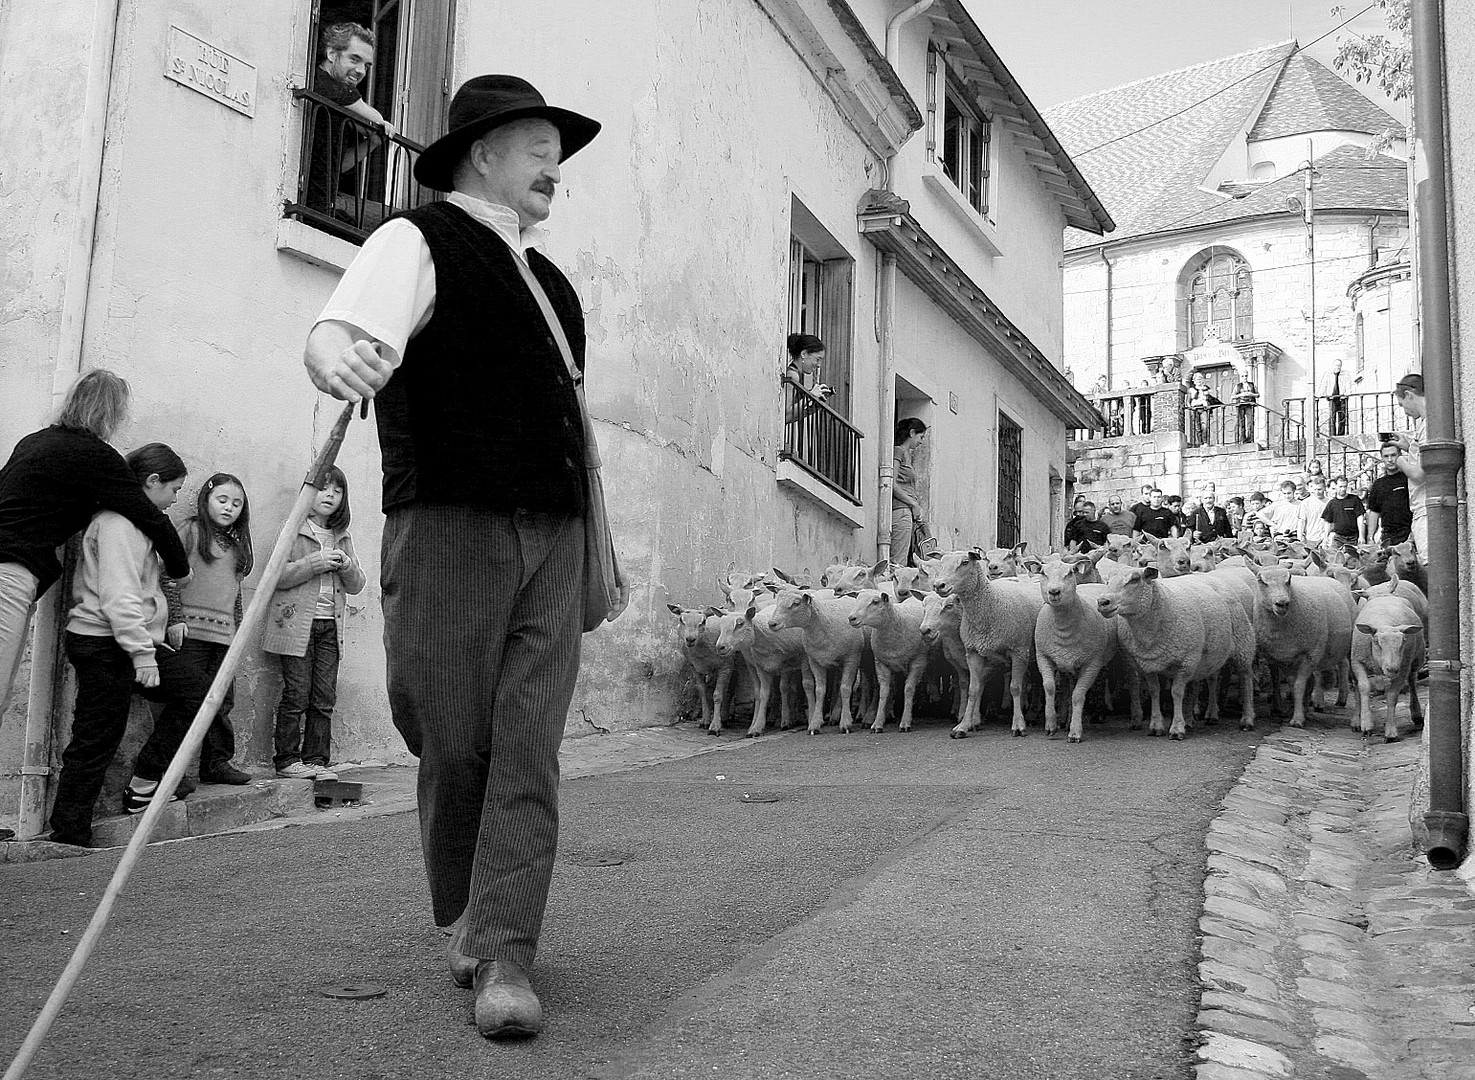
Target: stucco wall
<point>941,359</point>
<point>43,83</point>
<point>1145,290</point>
<point>674,227</point>
<point>1030,225</point>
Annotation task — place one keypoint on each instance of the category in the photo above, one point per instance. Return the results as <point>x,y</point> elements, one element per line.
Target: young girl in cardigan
<point>304,628</point>
<point>114,639</point>
<point>218,539</point>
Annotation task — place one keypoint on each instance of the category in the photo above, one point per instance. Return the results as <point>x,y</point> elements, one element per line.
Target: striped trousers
<point>482,618</point>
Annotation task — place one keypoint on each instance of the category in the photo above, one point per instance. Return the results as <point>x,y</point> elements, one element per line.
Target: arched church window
<point>1218,293</point>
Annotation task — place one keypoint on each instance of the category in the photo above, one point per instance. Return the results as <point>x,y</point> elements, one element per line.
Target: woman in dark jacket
<point>55,481</point>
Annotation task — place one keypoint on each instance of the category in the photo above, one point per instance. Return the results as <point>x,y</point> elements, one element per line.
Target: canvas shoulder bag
<point>606,593</point>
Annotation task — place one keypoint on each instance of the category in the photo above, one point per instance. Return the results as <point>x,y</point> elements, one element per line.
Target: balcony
<point>351,177</point>
<point>821,453</point>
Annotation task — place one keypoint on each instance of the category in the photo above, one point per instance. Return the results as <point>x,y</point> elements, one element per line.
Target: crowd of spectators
<point>1320,512</point>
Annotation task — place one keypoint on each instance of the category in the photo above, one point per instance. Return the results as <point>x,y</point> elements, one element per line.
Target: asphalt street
<point>853,906</point>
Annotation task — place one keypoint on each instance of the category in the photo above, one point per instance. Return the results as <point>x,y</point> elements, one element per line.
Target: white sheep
<point>998,625</point>
<point>774,655</point>
<point>1388,644</point>
<point>1304,623</point>
<point>1003,562</point>
<point>942,626</point>
<point>830,643</point>
<point>1184,629</point>
<point>697,631</point>
<point>897,644</point>
<point>1072,638</point>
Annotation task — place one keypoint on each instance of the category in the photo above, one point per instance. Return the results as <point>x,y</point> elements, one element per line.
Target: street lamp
<point>1305,206</point>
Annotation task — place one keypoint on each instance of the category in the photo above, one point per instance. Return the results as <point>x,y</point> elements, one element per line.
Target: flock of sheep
<point>1164,614</point>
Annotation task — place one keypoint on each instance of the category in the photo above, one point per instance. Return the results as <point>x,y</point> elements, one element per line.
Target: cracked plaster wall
<point>673,226</point>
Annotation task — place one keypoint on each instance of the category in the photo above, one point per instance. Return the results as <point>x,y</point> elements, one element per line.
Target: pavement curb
<point>1330,947</point>
<point>277,803</point>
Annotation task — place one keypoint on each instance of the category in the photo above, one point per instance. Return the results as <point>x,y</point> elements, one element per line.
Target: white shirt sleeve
<point>388,291</point>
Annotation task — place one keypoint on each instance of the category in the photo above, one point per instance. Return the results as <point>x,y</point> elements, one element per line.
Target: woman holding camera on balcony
<point>806,354</point>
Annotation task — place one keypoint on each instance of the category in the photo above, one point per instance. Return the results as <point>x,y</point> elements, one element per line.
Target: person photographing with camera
<point>806,354</point>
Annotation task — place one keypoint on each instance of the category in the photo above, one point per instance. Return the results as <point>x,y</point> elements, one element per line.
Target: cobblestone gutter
<point>1329,949</point>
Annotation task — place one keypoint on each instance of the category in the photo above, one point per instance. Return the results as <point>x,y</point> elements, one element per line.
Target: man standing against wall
<point>1410,394</point>
<point>483,558</point>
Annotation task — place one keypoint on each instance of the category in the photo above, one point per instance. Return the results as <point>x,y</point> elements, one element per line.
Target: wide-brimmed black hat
<point>487,102</point>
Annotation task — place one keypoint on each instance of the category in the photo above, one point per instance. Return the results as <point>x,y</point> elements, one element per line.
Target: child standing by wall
<point>114,635</point>
<point>218,539</point>
<point>305,630</point>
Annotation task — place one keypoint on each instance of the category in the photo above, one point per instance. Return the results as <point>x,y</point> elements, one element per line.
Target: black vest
<point>482,411</point>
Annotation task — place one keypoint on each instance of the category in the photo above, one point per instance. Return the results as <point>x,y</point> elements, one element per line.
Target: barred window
<point>1011,481</point>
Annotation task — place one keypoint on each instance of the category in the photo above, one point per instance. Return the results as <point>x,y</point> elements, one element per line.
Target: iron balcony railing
<point>1359,415</point>
<point>1126,413</point>
<point>821,442</point>
<point>351,177</point>
<point>1130,412</point>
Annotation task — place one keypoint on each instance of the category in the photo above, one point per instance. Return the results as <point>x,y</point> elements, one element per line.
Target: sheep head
<point>1274,592</point>
<point>690,622</point>
<point>1391,644</point>
<point>1058,585</point>
<point>956,572</point>
<point>794,607</point>
<point>871,608</point>
<point>735,631</point>
<point>1130,592</point>
<point>938,614</point>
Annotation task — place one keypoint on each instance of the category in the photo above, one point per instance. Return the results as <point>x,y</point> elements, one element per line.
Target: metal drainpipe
<point>1442,454</point>
<point>886,302</point>
<point>46,670</point>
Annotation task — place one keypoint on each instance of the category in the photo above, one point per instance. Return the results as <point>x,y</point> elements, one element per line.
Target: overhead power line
<point>1216,93</point>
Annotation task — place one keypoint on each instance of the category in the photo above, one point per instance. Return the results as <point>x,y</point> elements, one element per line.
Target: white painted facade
<point>1146,290</point>
<point>674,226</point>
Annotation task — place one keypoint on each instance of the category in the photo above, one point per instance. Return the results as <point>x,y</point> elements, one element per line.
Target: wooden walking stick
<point>192,739</point>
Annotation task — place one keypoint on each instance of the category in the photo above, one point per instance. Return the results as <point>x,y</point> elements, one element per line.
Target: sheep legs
<point>977,675</point>
<point>817,707</point>
<point>1018,676</point>
<point>1179,727</point>
<point>883,696</point>
<point>1084,681</point>
<point>764,692</point>
<point>1362,720</point>
<point>1298,694</point>
<point>719,700</point>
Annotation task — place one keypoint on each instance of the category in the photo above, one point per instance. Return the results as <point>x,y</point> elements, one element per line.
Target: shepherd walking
<point>475,380</point>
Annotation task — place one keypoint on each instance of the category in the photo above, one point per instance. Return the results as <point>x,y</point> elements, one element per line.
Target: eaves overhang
<point>1001,93</point>
<point>831,42</point>
<point>885,220</point>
